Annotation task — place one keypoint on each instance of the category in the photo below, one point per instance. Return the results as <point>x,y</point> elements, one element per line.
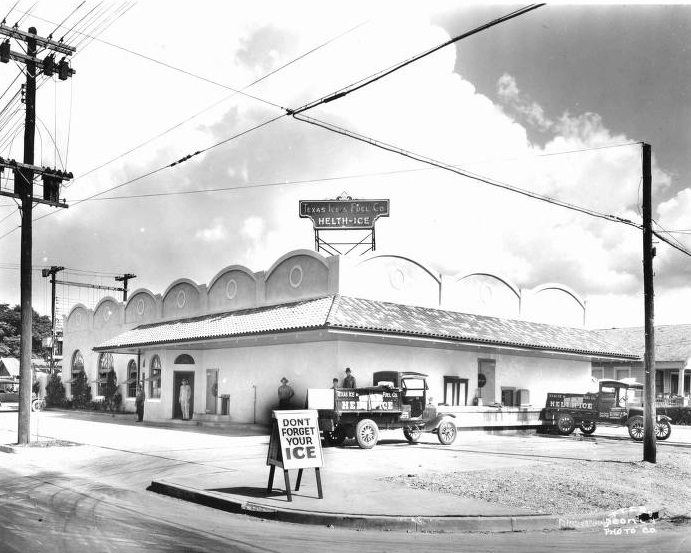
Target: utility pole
<point>23,189</point>
<point>124,278</point>
<point>649,410</point>
<point>52,272</point>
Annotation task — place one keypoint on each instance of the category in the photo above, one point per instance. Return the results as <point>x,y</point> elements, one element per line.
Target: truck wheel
<point>636,429</point>
<point>565,424</point>
<point>337,437</point>
<point>412,433</point>
<point>366,433</point>
<point>447,432</point>
<point>36,405</point>
<point>587,427</point>
<point>663,429</point>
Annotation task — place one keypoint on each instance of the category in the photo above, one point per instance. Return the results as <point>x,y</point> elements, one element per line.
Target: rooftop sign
<point>343,213</point>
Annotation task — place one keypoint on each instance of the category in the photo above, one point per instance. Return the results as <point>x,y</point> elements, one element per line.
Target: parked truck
<point>613,404</point>
<point>395,400</point>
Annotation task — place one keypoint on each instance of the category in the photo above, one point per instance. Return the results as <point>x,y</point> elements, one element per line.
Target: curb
<point>437,524</point>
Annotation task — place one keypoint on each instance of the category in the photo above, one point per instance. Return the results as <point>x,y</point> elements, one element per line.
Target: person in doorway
<point>285,394</point>
<point>139,402</point>
<point>185,394</point>
<point>335,383</point>
<point>349,380</point>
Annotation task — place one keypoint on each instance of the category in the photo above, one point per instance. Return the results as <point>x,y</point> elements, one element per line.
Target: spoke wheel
<point>366,433</point>
<point>412,433</point>
<point>565,424</point>
<point>636,429</point>
<point>447,432</point>
<point>663,429</point>
<point>587,427</point>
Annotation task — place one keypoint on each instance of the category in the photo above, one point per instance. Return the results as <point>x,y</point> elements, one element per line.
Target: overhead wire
<point>396,67</point>
<point>454,169</point>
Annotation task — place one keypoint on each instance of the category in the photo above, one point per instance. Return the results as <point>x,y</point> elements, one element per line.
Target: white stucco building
<point>308,317</point>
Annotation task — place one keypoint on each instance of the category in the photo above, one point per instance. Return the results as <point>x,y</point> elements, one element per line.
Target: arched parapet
<point>391,277</point>
<point>142,307</point>
<point>295,275</point>
<point>482,293</point>
<point>554,303</point>
<point>234,287</point>
<point>108,312</point>
<point>79,318</point>
<point>183,298</point>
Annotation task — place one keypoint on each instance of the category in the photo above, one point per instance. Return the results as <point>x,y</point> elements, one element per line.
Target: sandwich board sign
<point>295,443</point>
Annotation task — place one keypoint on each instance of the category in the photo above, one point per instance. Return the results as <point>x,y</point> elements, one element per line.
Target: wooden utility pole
<point>125,279</point>
<point>649,414</point>
<point>23,189</point>
<point>51,273</point>
<point>27,175</point>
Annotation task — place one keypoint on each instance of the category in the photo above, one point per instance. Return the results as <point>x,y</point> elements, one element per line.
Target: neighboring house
<point>9,373</point>
<point>672,358</point>
<point>308,318</point>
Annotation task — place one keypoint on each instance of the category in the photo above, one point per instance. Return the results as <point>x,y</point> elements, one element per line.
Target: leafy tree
<point>55,391</point>
<point>11,329</point>
<point>112,398</point>
<point>81,391</point>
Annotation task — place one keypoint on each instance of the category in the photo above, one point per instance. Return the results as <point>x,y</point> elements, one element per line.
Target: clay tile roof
<point>347,313</point>
<point>672,342</point>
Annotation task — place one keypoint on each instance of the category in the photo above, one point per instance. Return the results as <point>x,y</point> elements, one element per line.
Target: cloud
<point>453,223</point>
<point>511,95</point>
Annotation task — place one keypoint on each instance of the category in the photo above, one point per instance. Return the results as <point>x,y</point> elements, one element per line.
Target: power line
<point>325,179</point>
<point>177,125</point>
<point>380,75</point>
<point>458,171</point>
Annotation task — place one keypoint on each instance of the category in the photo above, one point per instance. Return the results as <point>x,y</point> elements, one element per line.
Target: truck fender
<point>664,417</point>
<point>434,423</point>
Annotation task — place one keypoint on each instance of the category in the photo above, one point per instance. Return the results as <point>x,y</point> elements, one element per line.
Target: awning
<point>130,380</point>
<point>68,381</point>
<point>153,378</point>
<point>100,380</point>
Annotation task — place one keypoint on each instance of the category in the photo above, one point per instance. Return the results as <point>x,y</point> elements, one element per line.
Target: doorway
<point>455,390</point>
<point>211,391</point>
<point>177,381</point>
<point>486,382</point>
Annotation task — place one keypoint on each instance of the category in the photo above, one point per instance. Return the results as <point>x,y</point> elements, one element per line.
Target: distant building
<point>672,358</point>
<point>308,317</point>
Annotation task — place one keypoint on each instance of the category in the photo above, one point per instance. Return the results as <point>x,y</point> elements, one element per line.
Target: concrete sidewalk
<point>225,468</point>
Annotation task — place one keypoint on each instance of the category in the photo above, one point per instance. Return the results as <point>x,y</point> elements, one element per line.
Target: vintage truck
<point>613,404</point>
<point>396,400</point>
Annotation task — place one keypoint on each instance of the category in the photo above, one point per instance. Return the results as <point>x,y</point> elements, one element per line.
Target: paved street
<point>94,496</point>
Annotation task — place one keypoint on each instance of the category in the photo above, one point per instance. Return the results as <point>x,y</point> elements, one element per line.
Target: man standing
<point>349,380</point>
<point>139,402</point>
<point>185,393</point>
<point>285,394</point>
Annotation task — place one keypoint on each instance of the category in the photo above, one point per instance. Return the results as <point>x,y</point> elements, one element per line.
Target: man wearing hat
<point>285,393</point>
<point>349,380</point>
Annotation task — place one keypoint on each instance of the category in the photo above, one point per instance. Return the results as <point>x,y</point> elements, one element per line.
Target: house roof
<point>10,364</point>
<point>672,342</point>
<point>348,313</point>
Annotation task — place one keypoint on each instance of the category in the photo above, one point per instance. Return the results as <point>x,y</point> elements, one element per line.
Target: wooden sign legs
<point>286,477</point>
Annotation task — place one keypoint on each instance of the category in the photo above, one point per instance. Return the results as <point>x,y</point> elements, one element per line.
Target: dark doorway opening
<point>178,376</point>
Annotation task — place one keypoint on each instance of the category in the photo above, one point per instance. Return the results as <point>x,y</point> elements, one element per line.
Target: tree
<point>10,331</point>
<point>55,391</point>
<point>81,391</point>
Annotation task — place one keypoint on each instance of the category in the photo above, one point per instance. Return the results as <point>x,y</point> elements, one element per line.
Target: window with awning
<point>131,381</point>
<point>105,365</point>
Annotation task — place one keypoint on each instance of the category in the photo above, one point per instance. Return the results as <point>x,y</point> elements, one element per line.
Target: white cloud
<point>452,222</point>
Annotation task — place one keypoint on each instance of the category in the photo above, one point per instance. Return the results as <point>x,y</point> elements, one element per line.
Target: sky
<point>556,101</point>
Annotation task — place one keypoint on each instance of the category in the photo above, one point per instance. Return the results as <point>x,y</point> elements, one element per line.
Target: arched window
<point>132,378</point>
<point>105,365</point>
<point>77,364</point>
<point>184,359</point>
<point>155,377</point>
